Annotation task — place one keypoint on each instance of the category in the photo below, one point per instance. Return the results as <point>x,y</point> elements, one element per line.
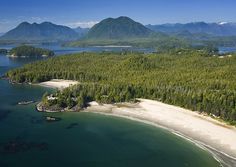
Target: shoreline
<point>213,142</point>
<point>114,46</point>
<point>216,137</point>
<point>58,83</point>
<point>216,154</point>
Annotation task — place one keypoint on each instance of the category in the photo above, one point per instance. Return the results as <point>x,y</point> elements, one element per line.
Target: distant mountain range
<point>215,29</point>
<point>121,28</point>
<point>81,31</point>
<point>45,31</point>
<point>118,28</point>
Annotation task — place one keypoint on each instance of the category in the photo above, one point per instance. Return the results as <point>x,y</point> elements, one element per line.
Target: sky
<point>86,13</point>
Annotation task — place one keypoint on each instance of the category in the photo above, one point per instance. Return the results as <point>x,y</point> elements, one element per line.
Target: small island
<point>3,51</point>
<point>30,51</point>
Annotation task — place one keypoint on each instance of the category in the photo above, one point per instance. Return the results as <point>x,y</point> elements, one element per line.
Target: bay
<point>82,139</point>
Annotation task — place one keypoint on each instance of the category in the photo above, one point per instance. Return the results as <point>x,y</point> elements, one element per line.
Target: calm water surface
<point>223,50</point>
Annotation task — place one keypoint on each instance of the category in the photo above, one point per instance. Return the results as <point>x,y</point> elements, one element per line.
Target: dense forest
<point>30,51</point>
<point>192,79</point>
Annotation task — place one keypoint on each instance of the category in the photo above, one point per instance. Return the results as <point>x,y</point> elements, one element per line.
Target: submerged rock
<point>16,146</point>
<point>4,114</point>
<point>36,120</point>
<point>72,125</point>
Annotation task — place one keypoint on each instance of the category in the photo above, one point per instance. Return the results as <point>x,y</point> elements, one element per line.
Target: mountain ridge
<point>216,29</point>
<point>118,28</point>
<point>45,31</point>
<point>81,31</point>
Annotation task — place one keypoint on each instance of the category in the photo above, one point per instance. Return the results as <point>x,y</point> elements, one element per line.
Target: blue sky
<point>88,12</point>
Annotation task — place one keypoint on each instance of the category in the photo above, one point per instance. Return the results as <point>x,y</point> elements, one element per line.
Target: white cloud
<point>87,24</point>
<point>5,25</point>
<point>8,24</point>
<point>4,21</point>
<point>36,19</point>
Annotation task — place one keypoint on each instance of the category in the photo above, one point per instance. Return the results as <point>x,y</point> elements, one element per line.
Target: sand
<point>114,46</point>
<point>58,83</point>
<point>203,130</point>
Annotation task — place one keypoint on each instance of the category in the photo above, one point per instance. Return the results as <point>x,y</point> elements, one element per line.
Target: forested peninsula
<point>193,79</point>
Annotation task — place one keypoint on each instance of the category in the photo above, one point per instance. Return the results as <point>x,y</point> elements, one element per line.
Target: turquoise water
<point>83,139</point>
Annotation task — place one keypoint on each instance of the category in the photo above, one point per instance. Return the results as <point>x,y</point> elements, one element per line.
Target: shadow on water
<point>36,120</point>
<point>72,125</point>
<point>2,164</point>
<point>4,114</point>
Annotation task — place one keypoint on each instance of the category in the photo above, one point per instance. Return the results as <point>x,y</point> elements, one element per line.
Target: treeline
<point>188,78</point>
<point>30,51</point>
<point>161,43</point>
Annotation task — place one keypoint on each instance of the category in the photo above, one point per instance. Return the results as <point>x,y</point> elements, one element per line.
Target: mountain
<point>118,28</point>
<point>45,31</point>
<point>216,29</point>
<point>81,31</point>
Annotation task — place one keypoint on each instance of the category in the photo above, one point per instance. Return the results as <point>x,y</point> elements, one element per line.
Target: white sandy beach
<point>114,46</point>
<point>201,129</point>
<point>58,83</point>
